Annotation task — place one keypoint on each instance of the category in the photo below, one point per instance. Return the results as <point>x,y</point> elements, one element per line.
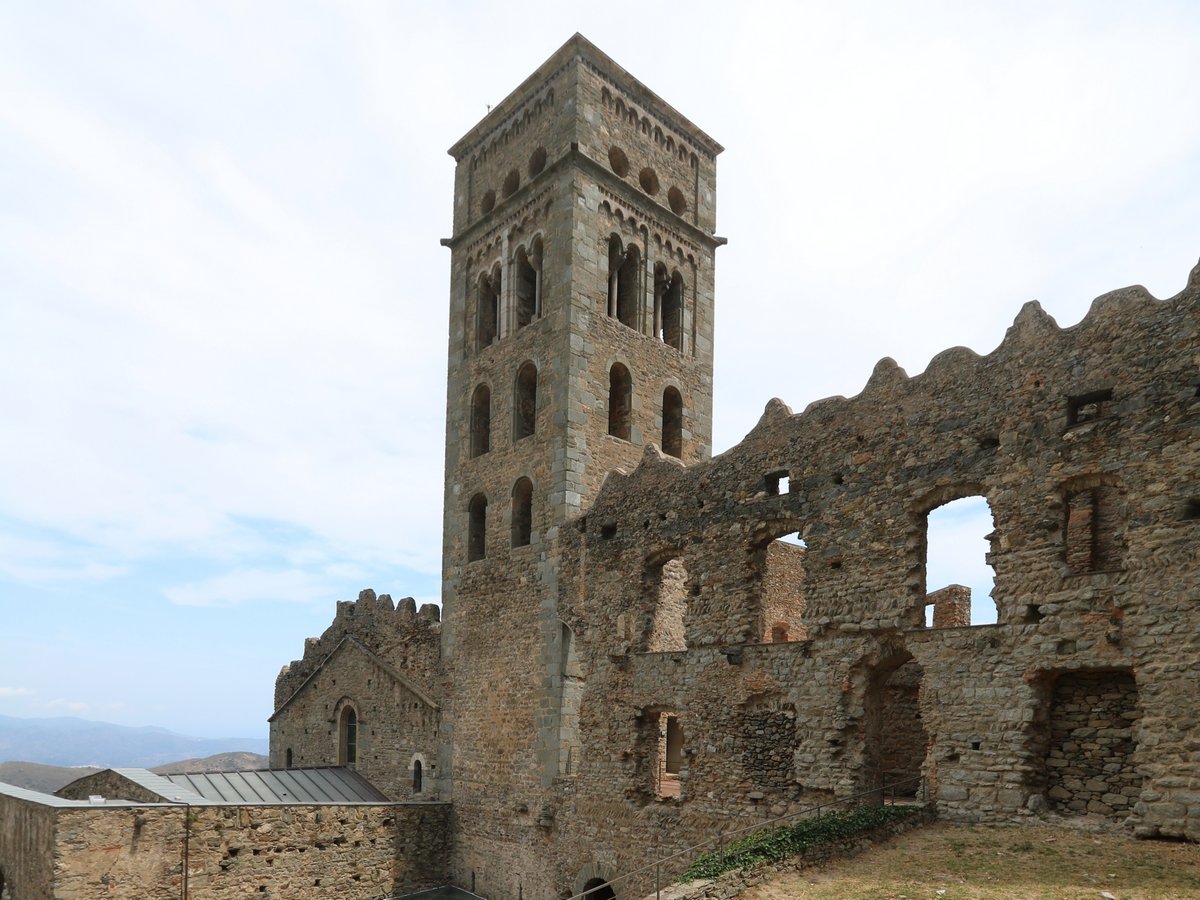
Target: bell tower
<point>581,330</point>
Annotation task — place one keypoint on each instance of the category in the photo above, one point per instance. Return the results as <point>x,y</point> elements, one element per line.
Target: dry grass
<point>1020,862</point>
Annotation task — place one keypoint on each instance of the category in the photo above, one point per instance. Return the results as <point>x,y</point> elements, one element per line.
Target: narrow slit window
<point>481,421</point>
<point>477,528</point>
<point>672,423</point>
<point>525,401</point>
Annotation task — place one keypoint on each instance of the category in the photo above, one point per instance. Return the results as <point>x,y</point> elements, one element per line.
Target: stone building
<point>628,658</point>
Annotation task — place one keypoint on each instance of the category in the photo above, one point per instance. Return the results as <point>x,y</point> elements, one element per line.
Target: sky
<point>223,303</point>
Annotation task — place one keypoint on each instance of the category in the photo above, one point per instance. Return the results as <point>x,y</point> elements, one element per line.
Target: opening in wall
<point>487,310</point>
<point>598,889</point>
<point>477,528</point>
<point>620,402</point>
<point>522,512</point>
<point>958,543</point>
<point>624,264</point>
<point>672,423</point>
<point>525,401</point>
<point>348,738</point>
<point>778,563</point>
<point>665,587</point>
<point>418,777</point>
<point>481,420</point>
<point>528,284</point>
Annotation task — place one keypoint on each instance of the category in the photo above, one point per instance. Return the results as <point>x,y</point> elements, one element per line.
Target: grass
<point>1019,862</point>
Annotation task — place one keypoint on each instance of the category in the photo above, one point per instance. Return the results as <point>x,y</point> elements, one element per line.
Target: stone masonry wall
<point>1091,767</point>
<point>863,474</point>
<point>26,845</point>
<point>140,852</point>
<point>383,662</point>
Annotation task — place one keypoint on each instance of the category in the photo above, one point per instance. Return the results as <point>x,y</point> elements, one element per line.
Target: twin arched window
<point>494,317</point>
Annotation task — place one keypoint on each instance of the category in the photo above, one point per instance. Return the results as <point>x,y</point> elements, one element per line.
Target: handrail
<point>722,837</point>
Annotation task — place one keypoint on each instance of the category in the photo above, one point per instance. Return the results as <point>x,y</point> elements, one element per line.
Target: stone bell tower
<point>581,331</point>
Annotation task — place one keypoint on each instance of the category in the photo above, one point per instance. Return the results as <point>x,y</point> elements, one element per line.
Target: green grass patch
<point>788,840</point>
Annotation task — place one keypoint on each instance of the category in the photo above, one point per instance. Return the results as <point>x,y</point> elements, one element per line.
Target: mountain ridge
<point>70,741</point>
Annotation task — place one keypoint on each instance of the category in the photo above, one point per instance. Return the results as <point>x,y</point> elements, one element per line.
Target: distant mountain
<point>67,741</point>
<point>48,779</point>
<point>37,777</point>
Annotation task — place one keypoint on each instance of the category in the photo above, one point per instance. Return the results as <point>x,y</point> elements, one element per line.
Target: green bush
<point>789,840</point>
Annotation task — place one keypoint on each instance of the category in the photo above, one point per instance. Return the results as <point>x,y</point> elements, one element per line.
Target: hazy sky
<point>223,301</point>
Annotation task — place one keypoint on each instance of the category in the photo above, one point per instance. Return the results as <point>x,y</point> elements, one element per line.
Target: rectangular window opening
<point>1088,407</point>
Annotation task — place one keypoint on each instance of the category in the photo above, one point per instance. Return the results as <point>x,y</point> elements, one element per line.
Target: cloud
<point>244,586</point>
<point>16,692</point>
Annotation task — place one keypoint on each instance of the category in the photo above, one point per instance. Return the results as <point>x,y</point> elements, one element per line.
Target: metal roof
<point>274,786</point>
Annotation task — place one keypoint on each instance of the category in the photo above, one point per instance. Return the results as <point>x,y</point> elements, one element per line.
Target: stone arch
<point>481,420</point>
<point>525,401</point>
<point>594,881</point>
<point>522,512</point>
<point>672,422</point>
<point>620,402</point>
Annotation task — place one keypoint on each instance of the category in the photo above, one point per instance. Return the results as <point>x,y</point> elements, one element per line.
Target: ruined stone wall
<point>383,662</point>
<point>951,606</point>
<point>863,474</point>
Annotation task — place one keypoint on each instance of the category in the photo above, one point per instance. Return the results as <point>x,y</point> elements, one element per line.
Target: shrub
<point>788,840</point>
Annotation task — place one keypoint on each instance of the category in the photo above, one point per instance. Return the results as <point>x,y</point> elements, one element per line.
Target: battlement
<point>397,630</point>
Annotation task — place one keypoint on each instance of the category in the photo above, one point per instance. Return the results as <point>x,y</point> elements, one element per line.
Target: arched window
<point>348,738</point>
<point>672,423</point>
<point>417,776</point>
<point>620,402</point>
<point>522,512</point>
<point>487,311</point>
<point>623,267</point>
<point>481,421</point>
<point>525,401</point>
<point>672,313</point>
<point>477,528</point>
<point>287,758</point>
<point>528,284</point>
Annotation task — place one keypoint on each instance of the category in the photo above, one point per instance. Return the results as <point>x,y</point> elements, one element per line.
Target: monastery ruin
<point>627,659</point>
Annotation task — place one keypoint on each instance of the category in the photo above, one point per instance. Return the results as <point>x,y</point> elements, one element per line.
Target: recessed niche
<point>618,161</point>
<point>677,201</point>
<point>648,179</point>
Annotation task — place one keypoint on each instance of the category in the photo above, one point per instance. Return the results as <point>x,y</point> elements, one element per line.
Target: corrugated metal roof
<point>276,786</point>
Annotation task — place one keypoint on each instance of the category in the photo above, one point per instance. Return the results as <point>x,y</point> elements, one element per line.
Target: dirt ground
<point>1018,862</point>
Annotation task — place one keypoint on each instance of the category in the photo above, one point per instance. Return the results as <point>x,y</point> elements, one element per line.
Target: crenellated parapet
<point>402,634</point>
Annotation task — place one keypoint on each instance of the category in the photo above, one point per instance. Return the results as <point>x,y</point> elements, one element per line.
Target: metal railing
<point>718,842</point>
